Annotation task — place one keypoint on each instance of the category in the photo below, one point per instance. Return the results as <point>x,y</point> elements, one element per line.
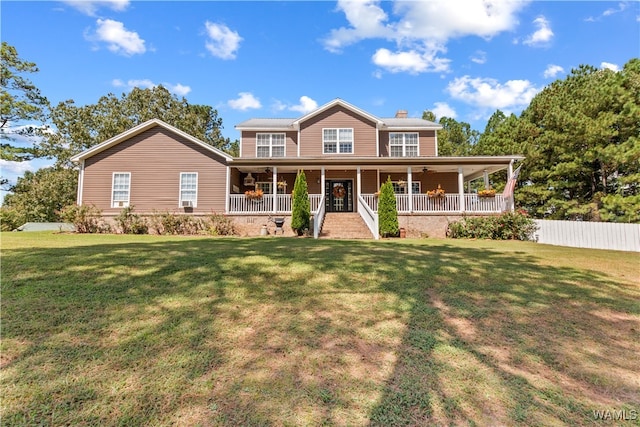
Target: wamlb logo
<point>616,415</point>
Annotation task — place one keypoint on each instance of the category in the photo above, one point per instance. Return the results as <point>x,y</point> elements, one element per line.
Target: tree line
<point>580,137</point>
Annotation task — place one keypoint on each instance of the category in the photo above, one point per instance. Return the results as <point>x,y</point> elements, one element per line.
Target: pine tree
<point>387,211</point>
<point>301,209</point>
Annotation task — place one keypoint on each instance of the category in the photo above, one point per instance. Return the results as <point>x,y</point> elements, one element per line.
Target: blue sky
<point>461,59</point>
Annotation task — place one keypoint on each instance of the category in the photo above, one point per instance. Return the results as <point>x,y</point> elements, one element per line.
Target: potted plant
<point>487,192</point>
<point>437,193</point>
<point>254,194</point>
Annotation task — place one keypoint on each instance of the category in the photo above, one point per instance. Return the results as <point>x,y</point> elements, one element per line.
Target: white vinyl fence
<point>595,235</point>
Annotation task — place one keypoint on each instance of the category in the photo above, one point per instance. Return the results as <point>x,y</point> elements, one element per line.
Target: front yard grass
<point>148,330</point>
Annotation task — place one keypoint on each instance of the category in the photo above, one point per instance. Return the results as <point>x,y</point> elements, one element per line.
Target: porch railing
<point>422,203</point>
<point>369,216</point>
<point>240,204</point>
<point>318,219</point>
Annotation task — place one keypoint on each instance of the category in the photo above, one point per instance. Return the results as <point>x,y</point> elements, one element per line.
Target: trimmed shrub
<point>176,224</point>
<point>131,223</point>
<point>220,225</point>
<point>508,226</point>
<point>387,211</point>
<point>301,208</point>
<point>85,218</point>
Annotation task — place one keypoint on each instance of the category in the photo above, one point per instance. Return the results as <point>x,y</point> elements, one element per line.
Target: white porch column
<point>358,183</point>
<point>409,183</point>
<point>486,178</point>
<point>461,189</point>
<point>226,191</point>
<point>274,185</point>
<point>511,202</point>
<point>322,186</point>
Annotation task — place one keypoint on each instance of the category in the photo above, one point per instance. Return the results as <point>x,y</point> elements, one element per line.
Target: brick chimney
<point>401,114</point>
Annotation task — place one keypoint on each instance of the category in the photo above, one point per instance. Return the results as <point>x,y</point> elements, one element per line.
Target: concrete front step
<point>343,225</point>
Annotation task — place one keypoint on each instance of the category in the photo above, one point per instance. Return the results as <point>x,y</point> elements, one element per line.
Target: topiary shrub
<point>301,208</point>
<point>387,211</point>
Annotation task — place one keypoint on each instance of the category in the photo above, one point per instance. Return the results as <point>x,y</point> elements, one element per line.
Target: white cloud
<point>119,40</point>
<point>306,105</point>
<point>421,29</point>
<point>442,109</point>
<point>542,36</point>
<point>489,93</point>
<point>222,41</point>
<point>612,11</point>
<point>89,7</point>
<point>177,89</point>
<point>16,168</point>
<point>552,71</point>
<point>245,101</point>
<point>479,57</point>
<point>610,66</point>
<point>411,61</point>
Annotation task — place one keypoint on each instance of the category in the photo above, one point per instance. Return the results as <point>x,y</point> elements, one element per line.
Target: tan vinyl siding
<point>364,132</point>
<point>249,143</point>
<point>369,182</point>
<point>426,142</point>
<point>155,159</point>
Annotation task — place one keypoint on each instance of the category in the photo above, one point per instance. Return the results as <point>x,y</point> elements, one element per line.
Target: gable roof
<point>139,129</point>
<point>294,124</point>
<point>342,103</point>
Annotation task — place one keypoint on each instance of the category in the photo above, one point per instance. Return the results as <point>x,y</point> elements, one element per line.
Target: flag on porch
<point>511,184</point>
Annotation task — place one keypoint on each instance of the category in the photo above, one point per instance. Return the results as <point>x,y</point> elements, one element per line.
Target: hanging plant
<point>438,192</point>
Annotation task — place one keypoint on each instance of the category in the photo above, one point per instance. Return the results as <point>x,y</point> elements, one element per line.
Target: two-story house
<point>345,152</point>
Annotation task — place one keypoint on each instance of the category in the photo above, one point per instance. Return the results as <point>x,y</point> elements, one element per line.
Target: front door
<point>339,196</point>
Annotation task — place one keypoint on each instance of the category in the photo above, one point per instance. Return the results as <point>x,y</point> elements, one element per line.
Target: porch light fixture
<point>249,180</point>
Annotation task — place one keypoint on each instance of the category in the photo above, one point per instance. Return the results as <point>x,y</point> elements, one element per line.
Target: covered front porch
<point>352,186</point>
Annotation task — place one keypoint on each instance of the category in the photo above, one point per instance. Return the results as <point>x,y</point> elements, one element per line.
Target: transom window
<point>337,141</point>
<point>404,188</point>
<point>188,188</point>
<point>270,145</point>
<point>403,144</point>
<point>120,189</point>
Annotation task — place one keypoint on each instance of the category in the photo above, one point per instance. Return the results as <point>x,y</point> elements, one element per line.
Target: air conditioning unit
<point>187,204</point>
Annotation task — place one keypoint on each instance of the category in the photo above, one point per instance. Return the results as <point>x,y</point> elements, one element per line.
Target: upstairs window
<point>337,141</point>
<point>270,145</point>
<point>403,144</point>
<point>188,189</point>
<point>120,189</point>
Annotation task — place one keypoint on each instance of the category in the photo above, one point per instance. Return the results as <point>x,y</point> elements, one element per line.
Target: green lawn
<point>148,330</point>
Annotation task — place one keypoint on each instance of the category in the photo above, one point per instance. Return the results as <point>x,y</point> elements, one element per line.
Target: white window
<point>403,144</point>
<point>404,189</point>
<point>337,141</point>
<point>266,187</point>
<point>120,189</point>
<point>188,189</point>
<point>270,145</point>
